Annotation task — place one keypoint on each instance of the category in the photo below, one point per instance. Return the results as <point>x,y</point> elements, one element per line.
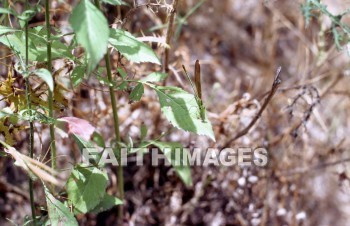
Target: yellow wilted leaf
<point>6,86</point>
<point>9,131</point>
<point>60,102</point>
<point>6,132</point>
<point>11,94</point>
<point>17,99</point>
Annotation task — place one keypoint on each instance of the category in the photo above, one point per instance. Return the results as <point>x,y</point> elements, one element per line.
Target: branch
<point>168,35</point>
<point>312,168</point>
<point>275,85</point>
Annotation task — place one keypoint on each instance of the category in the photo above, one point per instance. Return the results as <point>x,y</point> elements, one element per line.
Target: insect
<point>197,89</point>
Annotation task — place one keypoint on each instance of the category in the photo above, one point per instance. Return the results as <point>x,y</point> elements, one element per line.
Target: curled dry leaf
<point>35,168</point>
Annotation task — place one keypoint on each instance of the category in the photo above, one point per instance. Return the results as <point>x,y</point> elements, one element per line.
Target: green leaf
<point>7,11</point>
<point>4,30</point>
<point>37,45</point>
<point>182,110</point>
<point>154,77</point>
<point>16,42</point>
<point>131,48</point>
<point>122,73</point>
<point>83,144</point>
<point>143,131</point>
<point>97,137</point>
<point>86,188</point>
<point>45,75</point>
<point>103,79</point>
<point>5,112</point>
<point>58,49</point>
<point>137,92</point>
<point>77,75</point>
<point>107,202</point>
<point>59,214</point>
<point>27,15</point>
<point>91,28</point>
<point>122,85</point>
<point>114,2</point>
<point>169,149</point>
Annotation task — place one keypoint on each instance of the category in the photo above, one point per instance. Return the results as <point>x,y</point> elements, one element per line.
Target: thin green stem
<point>4,19</point>
<point>31,124</point>
<point>334,18</point>
<point>120,176</point>
<point>50,97</point>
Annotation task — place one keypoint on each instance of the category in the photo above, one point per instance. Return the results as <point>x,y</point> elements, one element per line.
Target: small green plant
<point>340,31</point>
<point>33,47</point>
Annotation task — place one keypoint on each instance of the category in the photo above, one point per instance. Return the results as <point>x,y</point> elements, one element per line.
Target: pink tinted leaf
<point>77,126</point>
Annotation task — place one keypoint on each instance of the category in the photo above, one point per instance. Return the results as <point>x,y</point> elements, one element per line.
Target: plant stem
<point>50,97</point>
<point>276,83</point>
<point>31,124</point>
<point>168,36</point>
<point>120,176</point>
<point>5,20</point>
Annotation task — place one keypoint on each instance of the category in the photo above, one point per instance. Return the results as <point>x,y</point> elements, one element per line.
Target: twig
<point>341,92</point>
<point>332,84</point>
<point>168,36</point>
<point>275,85</point>
<point>313,168</point>
<point>133,10</point>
